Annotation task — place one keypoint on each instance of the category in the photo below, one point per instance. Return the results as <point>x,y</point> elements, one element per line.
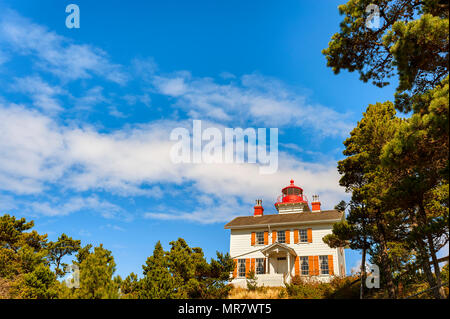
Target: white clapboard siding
<point>240,243</point>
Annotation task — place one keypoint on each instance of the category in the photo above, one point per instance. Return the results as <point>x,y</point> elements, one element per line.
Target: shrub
<point>302,288</point>
<point>344,288</point>
<point>252,281</point>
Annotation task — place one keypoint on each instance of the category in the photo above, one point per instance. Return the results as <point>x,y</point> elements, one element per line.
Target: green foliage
<point>12,231</point>
<point>282,294</point>
<point>130,287</point>
<point>183,272</point>
<point>341,236</point>
<point>96,276</point>
<point>343,288</point>
<point>20,251</point>
<point>445,275</point>
<point>158,282</point>
<point>397,170</point>
<point>418,156</point>
<point>39,284</point>
<point>252,281</point>
<point>337,288</point>
<point>372,224</point>
<point>341,206</point>
<point>82,254</point>
<point>412,42</point>
<point>65,246</point>
<point>301,288</point>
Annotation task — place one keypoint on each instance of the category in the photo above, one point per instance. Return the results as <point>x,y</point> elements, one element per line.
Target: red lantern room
<point>292,199</point>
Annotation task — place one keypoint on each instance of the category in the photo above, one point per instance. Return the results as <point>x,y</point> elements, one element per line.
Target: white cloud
<point>38,152</point>
<point>135,161</point>
<point>32,149</point>
<point>91,97</point>
<point>113,227</point>
<point>171,86</point>
<point>255,99</point>
<point>41,93</point>
<point>133,99</point>
<point>75,204</point>
<point>7,203</point>
<point>145,68</point>
<point>54,53</point>
<point>227,75</point>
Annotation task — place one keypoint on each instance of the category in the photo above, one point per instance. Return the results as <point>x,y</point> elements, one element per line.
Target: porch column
<point>288,263</point>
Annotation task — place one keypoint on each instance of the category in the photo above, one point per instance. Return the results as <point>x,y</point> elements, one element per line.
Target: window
<point>303,235</point>
<point>260,238</point>
<point>304,264</point>
<point>323,260</point>
<point>281,236</point>
<point>259,266</point>
<point>241,267</point>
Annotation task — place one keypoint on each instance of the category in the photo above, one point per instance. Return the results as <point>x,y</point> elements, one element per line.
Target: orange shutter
<point>253,239</point>
<point>311,265</point>
<point>296,236</point>
<point>252,264</point>
<point>235,268</point>
<point>316,265</point>
<point>287,235</point>
<point>309,232</point>
<point>274,236</point>
<point>266,238</point>
<point>297,266</point>
<point>330,264</point>
<point>265,262</point>
<point>247,266</point>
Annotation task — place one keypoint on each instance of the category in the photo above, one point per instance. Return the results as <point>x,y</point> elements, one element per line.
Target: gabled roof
<point>278,246</point>
<point>331,216</point>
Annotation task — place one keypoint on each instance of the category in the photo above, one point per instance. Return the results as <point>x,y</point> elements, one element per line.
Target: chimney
<point>259,210</point>
<point>315,204</point>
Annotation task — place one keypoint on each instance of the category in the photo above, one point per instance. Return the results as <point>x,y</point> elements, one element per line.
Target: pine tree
<point>183,272</point>
<point>411,42</point>
<point>96,276</point>
<point>65,246</point>
<point>158,282</point>
<point>369,226</point>
<point>418,155</point>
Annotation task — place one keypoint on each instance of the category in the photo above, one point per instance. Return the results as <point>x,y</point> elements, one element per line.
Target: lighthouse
<point>289,243</point>
<point>292,200</point>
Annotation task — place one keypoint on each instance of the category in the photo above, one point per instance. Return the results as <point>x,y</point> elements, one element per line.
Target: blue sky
<point>86,115</point>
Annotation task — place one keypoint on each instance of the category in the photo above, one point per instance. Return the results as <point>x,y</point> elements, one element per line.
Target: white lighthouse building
<point>279,246</point>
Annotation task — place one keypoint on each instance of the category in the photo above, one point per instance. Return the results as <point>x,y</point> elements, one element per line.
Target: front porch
<point>280,260</point>
<point>279,264</point>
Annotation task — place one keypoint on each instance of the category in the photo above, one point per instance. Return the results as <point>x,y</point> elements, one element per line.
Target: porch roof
<point>278,247</point>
